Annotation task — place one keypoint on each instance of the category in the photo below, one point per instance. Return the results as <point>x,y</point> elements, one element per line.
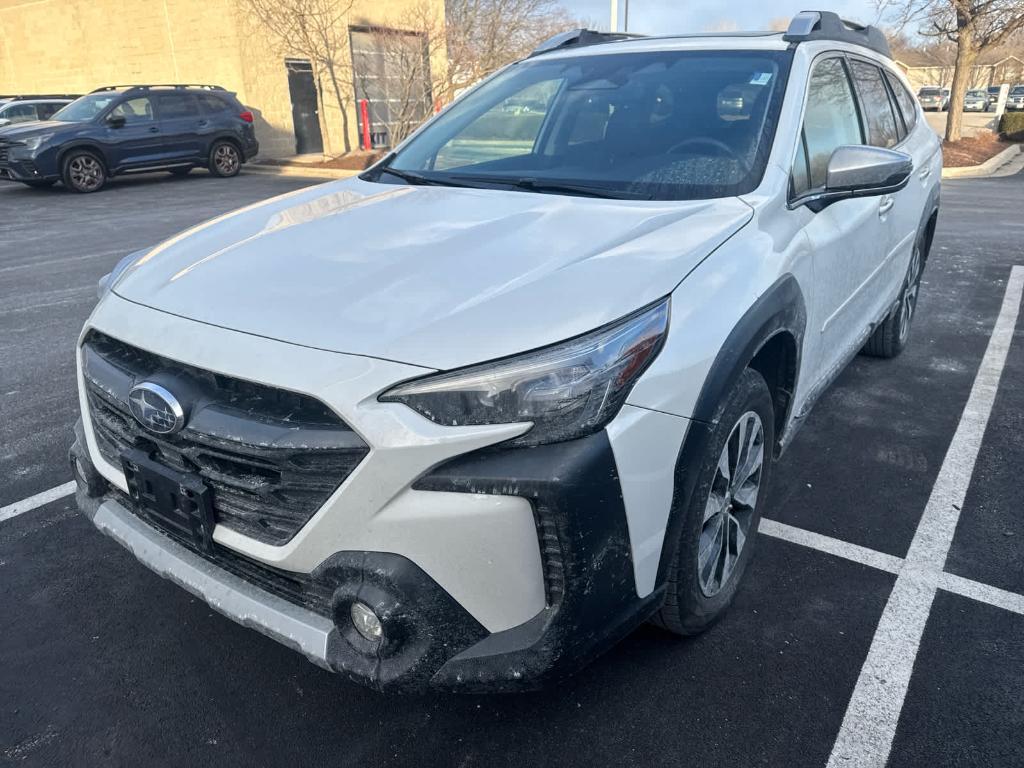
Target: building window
<point>391,70</point>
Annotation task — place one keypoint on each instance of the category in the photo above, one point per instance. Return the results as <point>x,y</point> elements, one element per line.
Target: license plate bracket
<point>176,500</point>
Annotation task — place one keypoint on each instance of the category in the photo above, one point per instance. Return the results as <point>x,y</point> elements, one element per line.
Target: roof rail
<point>157,85</point>
<point>576,38</point>
<point>825,25</point>
<point>39,96</point>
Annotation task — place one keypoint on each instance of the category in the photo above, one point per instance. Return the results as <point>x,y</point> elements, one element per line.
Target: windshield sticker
<point>760,78</point>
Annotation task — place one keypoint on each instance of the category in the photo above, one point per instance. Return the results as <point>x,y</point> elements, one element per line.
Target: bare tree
<point>484,35</point>
<point>975,26</point>
<point>313,29</point>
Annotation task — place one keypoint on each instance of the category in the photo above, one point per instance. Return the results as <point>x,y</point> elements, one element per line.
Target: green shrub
<point>1011,127</point>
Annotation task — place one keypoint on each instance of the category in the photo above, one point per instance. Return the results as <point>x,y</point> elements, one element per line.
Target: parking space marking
<point>34,502</point>
<point>869,726</point>
<point>837,547</point>
<point>983,593</point>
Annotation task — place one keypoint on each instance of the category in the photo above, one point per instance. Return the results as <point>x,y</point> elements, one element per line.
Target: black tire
<point>83,171</point>
<point>225,159</point>
<point>890,338</point>
<point>689,608</point>
<point>180,171</point>
<point>41,184</point>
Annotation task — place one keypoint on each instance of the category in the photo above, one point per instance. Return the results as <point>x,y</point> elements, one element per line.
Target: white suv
<point>468,419</point>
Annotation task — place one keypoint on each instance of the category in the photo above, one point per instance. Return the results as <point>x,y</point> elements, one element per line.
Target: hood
<point>26,130</point>
<point>438,277</point>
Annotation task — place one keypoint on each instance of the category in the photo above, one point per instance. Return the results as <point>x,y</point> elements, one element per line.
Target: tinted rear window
<point>212,104</point>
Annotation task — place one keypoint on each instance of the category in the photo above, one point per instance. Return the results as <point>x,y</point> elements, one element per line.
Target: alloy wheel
<point>908,299</point>
<point>226,159</point>
<point>729,511</point>
<point>86,173</point>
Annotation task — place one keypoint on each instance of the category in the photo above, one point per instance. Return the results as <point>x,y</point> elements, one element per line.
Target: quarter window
<point>878,111</point>
<point>830,121</point>
<point>211,104</point>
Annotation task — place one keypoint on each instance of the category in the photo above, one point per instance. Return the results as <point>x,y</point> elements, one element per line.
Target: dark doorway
<point>305,107</point>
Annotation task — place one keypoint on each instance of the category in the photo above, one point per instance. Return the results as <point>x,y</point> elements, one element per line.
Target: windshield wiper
<point>569,188</point>
<point>417,179</point>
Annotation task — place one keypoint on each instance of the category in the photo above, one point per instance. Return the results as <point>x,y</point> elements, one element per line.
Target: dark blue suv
<point>131,129</point>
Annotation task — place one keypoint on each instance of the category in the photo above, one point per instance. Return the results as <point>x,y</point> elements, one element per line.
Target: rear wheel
<point>225,159</point>
<point>891,336</point>
<point>719,528</point>
<point>84,172</point>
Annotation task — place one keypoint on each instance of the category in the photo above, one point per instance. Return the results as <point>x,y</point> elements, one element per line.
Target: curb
<point>984,169</point>
<point>298,170</point>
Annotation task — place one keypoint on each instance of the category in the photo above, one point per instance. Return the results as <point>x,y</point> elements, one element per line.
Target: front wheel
<point>719,528</point>
<point>225,159</point>
<point>84,172</point>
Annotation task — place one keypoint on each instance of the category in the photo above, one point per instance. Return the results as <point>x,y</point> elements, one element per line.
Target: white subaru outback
<point>470,418</point>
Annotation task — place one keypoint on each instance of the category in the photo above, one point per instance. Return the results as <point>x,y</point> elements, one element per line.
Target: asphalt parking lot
<point>885,606</point>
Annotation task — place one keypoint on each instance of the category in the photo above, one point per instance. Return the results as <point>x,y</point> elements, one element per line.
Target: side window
<point>881,122</point>
<point>830,121</point>
<point>138,110</point>
<point>211,104</point>
<point>177,105</point>
<point>908,104</point>
<point>21,113</point>
<point>46,110</point>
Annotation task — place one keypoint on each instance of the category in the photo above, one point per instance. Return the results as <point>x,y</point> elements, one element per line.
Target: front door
<point>138,141</point>
<point>847,237</point>
<point>305,107</point>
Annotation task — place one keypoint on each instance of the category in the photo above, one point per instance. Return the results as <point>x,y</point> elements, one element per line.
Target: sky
<point>668,16</point>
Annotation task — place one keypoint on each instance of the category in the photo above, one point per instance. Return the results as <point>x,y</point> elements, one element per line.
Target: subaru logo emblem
<point>155,408</point>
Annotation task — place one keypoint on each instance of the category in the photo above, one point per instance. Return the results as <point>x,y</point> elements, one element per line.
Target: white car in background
<point>467,420</point>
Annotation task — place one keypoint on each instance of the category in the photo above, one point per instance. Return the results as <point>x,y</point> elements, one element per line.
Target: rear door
<point>846,237</point>
<point>180,120</point>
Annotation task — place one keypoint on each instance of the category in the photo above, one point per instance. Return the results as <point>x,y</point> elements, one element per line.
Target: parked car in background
<point>933,97</point>
<point>25,110</point>
<point>131,129</point>
<point>1015,101</point>
<point>466,420</point>
<point>976,101</point>
<point>993,96</point>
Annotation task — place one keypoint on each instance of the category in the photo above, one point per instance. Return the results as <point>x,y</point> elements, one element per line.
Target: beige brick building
<point>74,46</point>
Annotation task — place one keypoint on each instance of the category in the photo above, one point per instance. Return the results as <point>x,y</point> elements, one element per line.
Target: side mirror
<point>4,121</point>
<point>116,121</point>
<point>860,171</point>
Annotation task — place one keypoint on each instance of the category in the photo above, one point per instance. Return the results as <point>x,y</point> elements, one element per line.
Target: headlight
<point>34,142</point>
<point>567,390</point>
<point>107,281</point>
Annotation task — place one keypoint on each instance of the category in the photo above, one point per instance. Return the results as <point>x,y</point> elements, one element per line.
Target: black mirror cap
<point>116,121</point>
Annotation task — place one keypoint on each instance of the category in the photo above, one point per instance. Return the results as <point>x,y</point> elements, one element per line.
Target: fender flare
<point>92,146</point>
<point>779,309</point>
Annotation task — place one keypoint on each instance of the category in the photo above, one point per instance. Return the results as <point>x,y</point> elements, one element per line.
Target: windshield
<point>85,108</point>
<point>666,125</point>
<point>929,92</point>
<point>978,94</point>
<point>1017,90</point>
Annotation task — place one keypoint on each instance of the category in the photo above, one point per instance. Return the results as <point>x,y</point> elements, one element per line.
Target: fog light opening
<point>366,622</point>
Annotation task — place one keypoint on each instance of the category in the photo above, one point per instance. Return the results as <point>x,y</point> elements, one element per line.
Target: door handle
<point>154,129</point>
<point>203,123</point>
<point>925,173</point>
<point>885,204</point>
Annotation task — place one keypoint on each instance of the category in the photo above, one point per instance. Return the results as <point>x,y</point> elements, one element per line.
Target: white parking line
<point>837,547</point>
<point>983,593</point>
<point>869,725</point>
<point>34,502</point>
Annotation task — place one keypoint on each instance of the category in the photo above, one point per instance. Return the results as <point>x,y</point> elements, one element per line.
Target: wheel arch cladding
<point>82,145</point>
<point>768,338</point>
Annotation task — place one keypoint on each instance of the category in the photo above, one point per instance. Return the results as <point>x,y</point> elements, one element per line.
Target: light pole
<point>615,16</point>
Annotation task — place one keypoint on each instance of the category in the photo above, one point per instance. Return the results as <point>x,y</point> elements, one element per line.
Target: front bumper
<point>431,640</point>
<point>23,170</point>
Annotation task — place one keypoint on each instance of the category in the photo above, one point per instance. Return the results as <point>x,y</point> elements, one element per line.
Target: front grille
<point>272,457</point>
